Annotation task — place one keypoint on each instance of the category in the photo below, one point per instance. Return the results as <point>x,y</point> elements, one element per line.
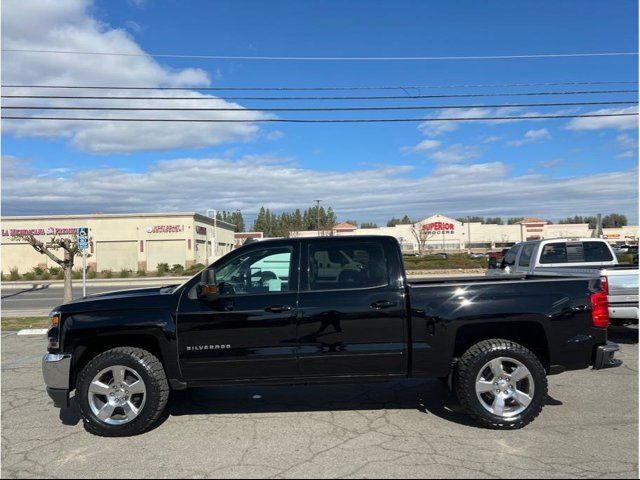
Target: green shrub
<point>91,273</point>
<point>76,274</point>
<point>107,274</point>
<point>177,269</point>
<point>162,269</point>
<point>54,271</point>
<point>14,275</point>
<point>45,275</point>
<point>29,276</point>
<point>59,275</point>
<point>124,273</point>
<point>141,273</point>
<point>37,271</point>
<point>193,269</point>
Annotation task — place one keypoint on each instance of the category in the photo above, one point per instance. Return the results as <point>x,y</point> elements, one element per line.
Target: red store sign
<point>165,229</point>
<point>438,227</point>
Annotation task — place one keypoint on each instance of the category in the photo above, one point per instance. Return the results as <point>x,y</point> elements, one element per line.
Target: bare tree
<point>421,234</point>
<point>69,247</point>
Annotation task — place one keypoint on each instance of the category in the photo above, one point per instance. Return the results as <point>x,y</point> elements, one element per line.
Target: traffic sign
<point>83,238</point>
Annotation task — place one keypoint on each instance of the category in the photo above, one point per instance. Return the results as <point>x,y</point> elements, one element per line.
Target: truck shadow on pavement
<point>430,397</point>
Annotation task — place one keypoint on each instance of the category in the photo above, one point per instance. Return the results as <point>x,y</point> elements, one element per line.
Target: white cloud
<point>67,25</point>
<point>628,144</point>
<point>423,146</point>
<point>373,193</point>
<point>600,123</point>
<point>531,136</point>
<point>456,153</point>
<point>435,129</point>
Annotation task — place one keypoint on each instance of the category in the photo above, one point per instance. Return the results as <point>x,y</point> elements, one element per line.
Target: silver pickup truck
<point>579,257</point>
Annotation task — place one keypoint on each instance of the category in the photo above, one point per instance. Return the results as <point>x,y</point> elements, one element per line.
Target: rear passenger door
<point>352,322</point>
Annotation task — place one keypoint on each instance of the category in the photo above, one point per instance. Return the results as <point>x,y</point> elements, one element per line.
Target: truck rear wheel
<point>122,392</point>
<point>501,384</point>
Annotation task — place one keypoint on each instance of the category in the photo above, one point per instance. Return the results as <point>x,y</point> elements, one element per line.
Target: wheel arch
<point>530,335</point>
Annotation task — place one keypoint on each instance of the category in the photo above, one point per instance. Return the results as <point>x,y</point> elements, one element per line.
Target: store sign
<point>165,229</point>
<point>15,232</point>
<point>438,228</point>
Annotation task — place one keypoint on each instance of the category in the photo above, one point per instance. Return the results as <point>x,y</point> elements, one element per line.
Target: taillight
<point>604,285</point>
<point>600,309</point>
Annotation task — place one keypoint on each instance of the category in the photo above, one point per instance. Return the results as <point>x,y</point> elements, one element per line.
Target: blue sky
<point>371,172</point>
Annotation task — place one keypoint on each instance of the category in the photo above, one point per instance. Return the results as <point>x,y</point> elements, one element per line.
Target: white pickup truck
<point>579,257</point>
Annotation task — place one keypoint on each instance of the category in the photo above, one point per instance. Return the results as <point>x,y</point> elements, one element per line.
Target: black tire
<point>149,369</point>
<point>469,367</point>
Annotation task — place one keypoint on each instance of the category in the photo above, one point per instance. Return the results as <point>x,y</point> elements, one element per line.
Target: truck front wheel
<point>501,384</point>
<point>122,392</point>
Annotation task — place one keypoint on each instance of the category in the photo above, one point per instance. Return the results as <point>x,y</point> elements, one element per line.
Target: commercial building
<point>121,241</point>
<point>441,233</point>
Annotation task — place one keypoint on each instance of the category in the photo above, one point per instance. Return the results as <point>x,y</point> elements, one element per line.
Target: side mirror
<point>208,288</point>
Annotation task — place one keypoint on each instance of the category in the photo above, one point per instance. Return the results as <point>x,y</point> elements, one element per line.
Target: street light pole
<point>318,215</point>
<point>215,230</point>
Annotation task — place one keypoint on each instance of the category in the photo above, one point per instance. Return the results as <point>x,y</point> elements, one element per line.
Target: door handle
<point>278,308</point>
<point>380,304</point>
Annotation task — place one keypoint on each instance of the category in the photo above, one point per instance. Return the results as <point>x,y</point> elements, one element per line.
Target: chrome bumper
<point>56,370</point>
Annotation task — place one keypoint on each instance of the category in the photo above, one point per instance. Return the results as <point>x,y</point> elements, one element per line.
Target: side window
<point>266,270</point>
<point>596,252</point>
<point>512,254</point>
<point>343,266</point>
<point>554,253</point>
<point>525,256</point>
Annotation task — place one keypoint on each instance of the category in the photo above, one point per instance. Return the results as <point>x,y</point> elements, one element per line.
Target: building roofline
<point>195,215</point>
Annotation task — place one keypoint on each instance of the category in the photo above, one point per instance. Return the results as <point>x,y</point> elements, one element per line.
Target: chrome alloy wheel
<point>117,395</point>
<point>505,387</point>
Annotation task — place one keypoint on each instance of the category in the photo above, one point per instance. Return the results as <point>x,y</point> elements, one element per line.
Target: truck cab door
<point>352,324</point>
<point>249,330</point>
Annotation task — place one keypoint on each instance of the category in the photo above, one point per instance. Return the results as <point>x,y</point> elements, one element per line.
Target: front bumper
<point>605,356</point>
<point>56,369</point>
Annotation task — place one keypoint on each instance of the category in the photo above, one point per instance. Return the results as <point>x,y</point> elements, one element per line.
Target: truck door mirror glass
<point>208,288</point>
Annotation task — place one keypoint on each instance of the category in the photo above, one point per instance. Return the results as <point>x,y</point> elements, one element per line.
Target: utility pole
<point>318,215</point>
<point>215,230</point>
<point>468,235</point>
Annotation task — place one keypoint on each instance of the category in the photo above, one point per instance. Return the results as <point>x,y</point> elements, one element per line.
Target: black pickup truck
<point>333,309</point>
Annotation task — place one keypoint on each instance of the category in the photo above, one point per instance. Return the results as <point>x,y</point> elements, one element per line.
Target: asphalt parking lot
<point>408,429</point>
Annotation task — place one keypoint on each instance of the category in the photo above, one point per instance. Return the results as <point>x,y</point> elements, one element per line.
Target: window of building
<point>346,266</point>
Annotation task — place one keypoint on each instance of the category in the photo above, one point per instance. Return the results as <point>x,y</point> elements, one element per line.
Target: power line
<point>333,120</point>
<point>379,97</point>
<point>283,58</point>
<point>327,88</point>
<point>323,109</point>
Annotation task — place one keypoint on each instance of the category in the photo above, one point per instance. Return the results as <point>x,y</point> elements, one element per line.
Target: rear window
<point>346,266</point>
<point>575,252</point>
<point>597,252</point>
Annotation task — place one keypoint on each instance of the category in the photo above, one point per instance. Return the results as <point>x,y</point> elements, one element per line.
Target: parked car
<point>495,339</point>
<point>578,257</point>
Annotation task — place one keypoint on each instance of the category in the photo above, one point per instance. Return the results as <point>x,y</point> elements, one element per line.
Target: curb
<point>98,282</point>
